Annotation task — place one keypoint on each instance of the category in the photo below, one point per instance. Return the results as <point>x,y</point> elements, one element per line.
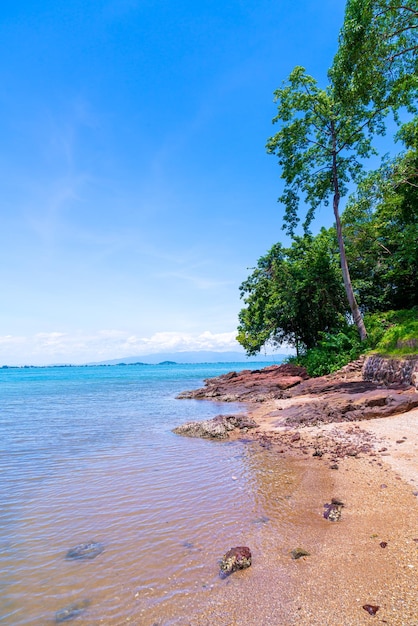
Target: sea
<point>88,456</point>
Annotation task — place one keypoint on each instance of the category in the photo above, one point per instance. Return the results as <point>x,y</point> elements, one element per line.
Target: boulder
<point>391,371</point>
<point>217,428</point>
<point>235,559</point>
<point>347,402</point>
<point>249,385</point>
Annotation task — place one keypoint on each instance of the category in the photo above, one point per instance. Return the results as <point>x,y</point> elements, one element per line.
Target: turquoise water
<point>87,454</point>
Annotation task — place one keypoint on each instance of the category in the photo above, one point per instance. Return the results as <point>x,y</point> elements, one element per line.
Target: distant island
<point>172,358</point>
<point>201,356</point>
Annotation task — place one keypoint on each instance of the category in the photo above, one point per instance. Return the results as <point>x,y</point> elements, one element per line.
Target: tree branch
<point>316,143</point>
<point>384,247</point>
<point>361,127</point>
<point>403,7</point>
<point>401,30</point>
<point>398,54</point>
<point>397,8</point>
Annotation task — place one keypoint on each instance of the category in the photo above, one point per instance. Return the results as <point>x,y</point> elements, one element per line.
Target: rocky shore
<point>249,385</point>
<point>300,414</point>
<point>292,400</point>
<point>354,443</point>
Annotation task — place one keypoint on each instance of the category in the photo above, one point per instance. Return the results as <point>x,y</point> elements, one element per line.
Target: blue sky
<point>136,190</point>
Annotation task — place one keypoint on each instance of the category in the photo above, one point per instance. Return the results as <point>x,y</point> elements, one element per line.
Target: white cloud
<point>60,347</point>
<point>187,341</point>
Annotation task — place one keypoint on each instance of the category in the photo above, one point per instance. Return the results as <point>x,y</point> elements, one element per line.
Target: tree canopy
<point>324,138</point>
<point>293,295</point>
<point>320,149</point>
<point>381,232</point>
<point>377,59</point>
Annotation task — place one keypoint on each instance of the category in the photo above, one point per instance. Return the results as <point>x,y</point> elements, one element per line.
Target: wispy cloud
<point>200,282</point>
<point>9,341</point>
<point>187,341</point>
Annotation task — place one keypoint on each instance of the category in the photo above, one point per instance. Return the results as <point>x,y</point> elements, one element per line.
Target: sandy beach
<point>361,569</point>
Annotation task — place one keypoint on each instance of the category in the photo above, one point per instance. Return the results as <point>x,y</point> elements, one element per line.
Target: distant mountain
<point>194,357</point>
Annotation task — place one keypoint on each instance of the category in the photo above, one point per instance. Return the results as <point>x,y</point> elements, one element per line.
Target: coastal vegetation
<point>392,334</point>
<point>352,288</point>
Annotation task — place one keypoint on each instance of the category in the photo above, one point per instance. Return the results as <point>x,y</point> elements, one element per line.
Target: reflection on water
<point>102,469</point>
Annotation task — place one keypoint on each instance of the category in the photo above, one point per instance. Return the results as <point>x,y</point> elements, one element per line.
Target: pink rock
<point>234,559</point>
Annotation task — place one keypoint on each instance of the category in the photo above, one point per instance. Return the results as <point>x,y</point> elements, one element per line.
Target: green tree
<point>377,59</point>
<point>381,231</point>
<point>320,147</point>
<point>292,295</point>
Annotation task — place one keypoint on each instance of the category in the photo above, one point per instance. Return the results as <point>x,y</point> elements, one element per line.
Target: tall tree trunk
<point>357,316</point>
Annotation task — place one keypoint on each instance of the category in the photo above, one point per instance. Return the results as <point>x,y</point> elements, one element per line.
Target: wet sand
<point>369,557</point>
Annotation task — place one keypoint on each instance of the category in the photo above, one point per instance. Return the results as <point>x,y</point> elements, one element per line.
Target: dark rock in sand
<point>71,611</point>
<point>298,553</point>
<point>371,609</point>
<point>217,428</point>
<point>333,510</point>
<point>235,559</point>
<point>85,551</point>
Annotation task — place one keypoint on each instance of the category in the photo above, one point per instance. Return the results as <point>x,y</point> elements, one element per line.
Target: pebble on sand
<point>371,609</point>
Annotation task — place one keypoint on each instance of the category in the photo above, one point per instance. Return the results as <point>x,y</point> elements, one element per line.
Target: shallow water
<point>87,454</point>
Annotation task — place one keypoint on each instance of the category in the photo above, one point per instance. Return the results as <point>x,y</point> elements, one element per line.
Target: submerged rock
<point>217,428</point>
<point>85,551</point>
<point>71,611</point>
<point>261,520</point>
<point>235,559</point>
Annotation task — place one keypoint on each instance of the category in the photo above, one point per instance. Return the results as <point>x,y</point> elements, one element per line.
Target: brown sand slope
<point>367,558</point>
<point>347,568</point>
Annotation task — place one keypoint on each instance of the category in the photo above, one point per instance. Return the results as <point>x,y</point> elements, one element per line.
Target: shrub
<point>392,333</point>
<point>332,352</point>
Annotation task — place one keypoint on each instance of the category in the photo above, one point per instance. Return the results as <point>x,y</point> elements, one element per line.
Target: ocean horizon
<point>170,358</point>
